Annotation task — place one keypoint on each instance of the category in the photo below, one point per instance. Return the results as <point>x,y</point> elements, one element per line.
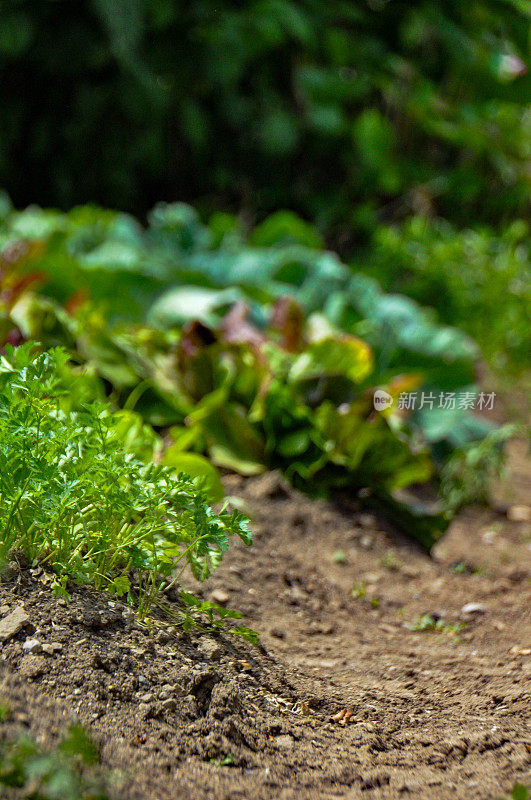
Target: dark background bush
<point>350,113</point>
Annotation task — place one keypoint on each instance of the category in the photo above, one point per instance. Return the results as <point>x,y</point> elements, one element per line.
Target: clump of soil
<point>148,695</point>
<point>342,700</point>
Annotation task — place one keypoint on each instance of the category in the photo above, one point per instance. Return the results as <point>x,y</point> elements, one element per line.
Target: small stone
<point>473,608</point>
<point>519,513</point>
<point>162,637</point>
<point>13,623</point>
<point>272,485</point>
<point>210,649</point>
<point>409,571</point>
<point>220,596</point>
<point>189,707</point>
<point>388,629</point>
<point>327,629</point>
<point>409,786</point>
<point>278,633</point>
<point>284,741</point>
<point>366,542</point>
<point>236,571</point>
<point>366,521</point>
<point>4,610</point>
<point>32,646</point>
<point>169,704</point>
<point>31,667</point>
<point>146,698</point>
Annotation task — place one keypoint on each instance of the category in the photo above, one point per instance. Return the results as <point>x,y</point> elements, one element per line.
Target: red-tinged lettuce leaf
<point>237,329</point>
<point>288,319</point>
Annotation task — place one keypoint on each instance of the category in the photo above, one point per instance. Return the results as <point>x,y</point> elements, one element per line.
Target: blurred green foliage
<point>347,112</point>
<point>70,771</point>
<point>476,279</point>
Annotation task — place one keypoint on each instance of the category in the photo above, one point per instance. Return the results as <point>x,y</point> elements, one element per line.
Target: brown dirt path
<point>435,714</point>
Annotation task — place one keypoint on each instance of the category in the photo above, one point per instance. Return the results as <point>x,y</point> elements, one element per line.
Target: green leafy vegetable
<point>75,499</point>
<point>196,466</point>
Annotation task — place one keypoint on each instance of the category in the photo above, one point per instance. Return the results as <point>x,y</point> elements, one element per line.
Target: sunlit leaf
<point>344,355</point>
<point>196,466</point>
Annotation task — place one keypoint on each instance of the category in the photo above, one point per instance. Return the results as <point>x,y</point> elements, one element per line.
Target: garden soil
<point>342,699</point>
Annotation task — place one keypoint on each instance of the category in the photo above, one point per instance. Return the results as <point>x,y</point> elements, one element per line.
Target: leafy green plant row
<point>261,353</point>
<point>74,498</point>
